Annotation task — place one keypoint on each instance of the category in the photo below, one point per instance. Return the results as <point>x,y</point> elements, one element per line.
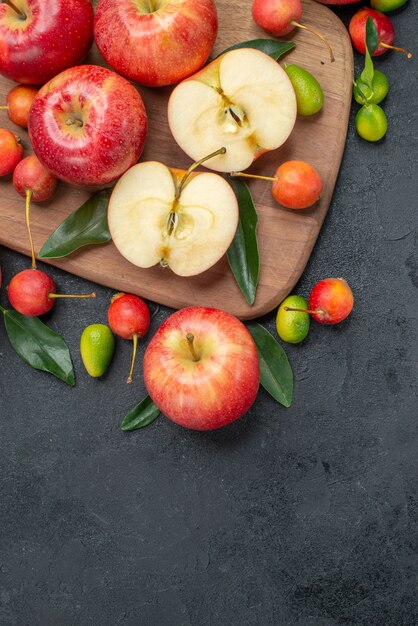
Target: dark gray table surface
<point>298,517</point>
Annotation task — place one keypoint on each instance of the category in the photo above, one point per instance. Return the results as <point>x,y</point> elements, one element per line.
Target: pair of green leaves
<point>39,345</point>
<point>276,376</point>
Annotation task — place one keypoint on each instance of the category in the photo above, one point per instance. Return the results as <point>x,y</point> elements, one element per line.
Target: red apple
<point>30,175</point>
<point>88,126</point>
<point>46,37</point>
<point>201,368</point>
<point>155,42</point>
<point>331,301</point>
<point>18,103</point>
<point>357,30</point>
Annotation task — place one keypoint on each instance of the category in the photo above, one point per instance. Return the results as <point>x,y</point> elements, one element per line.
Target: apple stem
<point>194,166</point>
<point>71,295</point>
<point>386,45</point>
<point>131,371</point>
<point>5,106</point>
<point>288,308</point>
<point>315,32</point>
<point>190,340</point>
<point>32,249</point>
<point>253,176</point>
<point>12,5</point>
<point>74,121</point>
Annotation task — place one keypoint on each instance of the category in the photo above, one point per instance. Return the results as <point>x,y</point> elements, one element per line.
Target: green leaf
<point>272,47</point>
<point>85,226</point>
<point>141,415</point>
<point>372,36</point>
<point>243,256</point>
<point>276,374</point>
<point>39,345</point>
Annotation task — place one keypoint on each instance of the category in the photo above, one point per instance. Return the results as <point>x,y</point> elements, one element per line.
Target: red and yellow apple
<point>163,215</point>
<point>88,126</point>
<point>43,37</point>
<point>155,42</point>
<point>243,100</point>
<point>201,368</point>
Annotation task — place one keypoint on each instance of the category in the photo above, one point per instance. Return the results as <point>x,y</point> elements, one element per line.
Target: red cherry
<point>29,291</point>
<point>129,318</point>
<point>298,185</point>
<point>331,301</point>
<point>18,103</point>
<point>11,151</point>
<point>385,32</point>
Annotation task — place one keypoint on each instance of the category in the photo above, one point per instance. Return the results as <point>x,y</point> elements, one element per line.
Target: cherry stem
<point>5,106</point>
<point>253,176</point>
<point>2,309</point>
<point>288,308</point>
<point>32,249</point>
<point>190,340</point>
<point>15,8</point>
<point>194,166</point>
<point>315,32</point>
<point>131,371</point>
<point>71,295</point>
<point>386,45</point>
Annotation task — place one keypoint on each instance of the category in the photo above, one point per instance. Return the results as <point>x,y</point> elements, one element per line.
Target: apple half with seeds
<point>182,220</point>
<point>243,100</point>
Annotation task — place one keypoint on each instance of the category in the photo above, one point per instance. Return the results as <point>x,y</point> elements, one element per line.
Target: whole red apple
<point>43,38</point>
<point>357,30</point>
<point>155,42</point>
<point>88,125</point>
<point>201,368</point>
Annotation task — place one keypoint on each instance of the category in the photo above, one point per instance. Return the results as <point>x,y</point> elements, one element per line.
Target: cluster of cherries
<point>33,292</point>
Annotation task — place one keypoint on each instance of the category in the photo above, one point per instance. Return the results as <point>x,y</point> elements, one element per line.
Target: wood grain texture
<point>286,237</point>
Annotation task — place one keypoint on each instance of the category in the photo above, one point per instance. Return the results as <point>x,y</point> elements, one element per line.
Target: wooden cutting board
<point>286,237</point>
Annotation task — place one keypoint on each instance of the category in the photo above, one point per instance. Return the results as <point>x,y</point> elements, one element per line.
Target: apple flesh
<point>88,126</point>
<point>201,368</point>
<point>155,42</point>
<point>155,218</point>
<point>243,100</point>
<point>45,38</point>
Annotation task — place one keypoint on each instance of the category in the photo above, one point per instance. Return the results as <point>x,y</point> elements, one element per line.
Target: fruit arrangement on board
<point>88,126</point>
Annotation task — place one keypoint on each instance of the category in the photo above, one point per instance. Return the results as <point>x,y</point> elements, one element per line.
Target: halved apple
<point>243,100</point>
<point>182,220</point>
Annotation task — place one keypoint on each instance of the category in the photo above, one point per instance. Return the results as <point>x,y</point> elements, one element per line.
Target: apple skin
<point>275,16</point>
<point>213,391</point>
<point>88,126</point>
<point>55,35</point>
<point>155,48</point>
<point>357,30</point>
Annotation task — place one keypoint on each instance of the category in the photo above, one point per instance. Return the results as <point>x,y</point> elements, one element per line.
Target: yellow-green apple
<point>201,368</point>
<point>243,100</point>
<point>40,38</point>
<point>182,220</point>
<point>88,125</point>
<point>155,42</point>
<point>11,151</point>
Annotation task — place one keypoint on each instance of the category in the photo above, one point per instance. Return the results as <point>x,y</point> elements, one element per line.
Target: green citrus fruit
<point>309,94</point>
<point>292,326</point>
<point>97,345</point>
<point>380,89</point>
<point>386,6</point>
<point>371,122</point>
